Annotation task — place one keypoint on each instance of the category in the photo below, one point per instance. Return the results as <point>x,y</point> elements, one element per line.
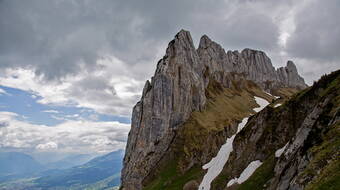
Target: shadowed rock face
<point>178,88</point>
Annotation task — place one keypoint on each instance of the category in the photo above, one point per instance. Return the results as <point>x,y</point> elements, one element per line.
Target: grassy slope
<point>327,158</point>
<point>171,179</point>
<point>224,107</point>
<point>324,168</point>
<point>260,176</point>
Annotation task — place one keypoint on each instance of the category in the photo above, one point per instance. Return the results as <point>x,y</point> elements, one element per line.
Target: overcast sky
<point>73,69</point>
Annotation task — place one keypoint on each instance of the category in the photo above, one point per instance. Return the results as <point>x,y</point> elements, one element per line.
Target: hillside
<point>100,173</point>
<point>15,163</point>
<point>69,161</point>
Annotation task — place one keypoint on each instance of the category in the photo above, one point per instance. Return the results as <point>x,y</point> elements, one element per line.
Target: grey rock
<point>289,76</point>
<point>178,88</point>
<point>175,91</point>
<point>294,160</point>
<point>251,64</point>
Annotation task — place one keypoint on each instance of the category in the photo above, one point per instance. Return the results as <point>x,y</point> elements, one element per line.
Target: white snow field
<point>217,163</point>
<point>250,169</point>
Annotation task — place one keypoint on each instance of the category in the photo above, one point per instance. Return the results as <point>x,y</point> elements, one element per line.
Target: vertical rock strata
<point>178,88</point>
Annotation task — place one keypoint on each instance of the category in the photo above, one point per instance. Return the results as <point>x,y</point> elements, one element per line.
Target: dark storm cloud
<point>56,38</point>
<point>238,31</point>
<point>317,34</point>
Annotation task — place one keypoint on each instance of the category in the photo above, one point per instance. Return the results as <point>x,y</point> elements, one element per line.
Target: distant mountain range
<point>99,173</point>
<point>13,163</point>
<point>70,161</point>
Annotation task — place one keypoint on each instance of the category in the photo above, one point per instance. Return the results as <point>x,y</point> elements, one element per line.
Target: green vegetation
<point>324,167</point>
<point>101,173</point>
<point>325,164</point>
<point>260,176</point>
<point>224,107</point>
<point>170,178</point>
<point>256,181</point>
<point>285,92</point>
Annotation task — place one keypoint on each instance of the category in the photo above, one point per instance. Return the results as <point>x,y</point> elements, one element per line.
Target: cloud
<point>51,111</point>
<point>317,35</point>
<point>68,137</point>
<point>40,36</point>
<point>100,89</point>
<point>314,41</point>
<point>47,146</point>
<point>3,92</point>
<point>3,124</point>
<point>99,54</point>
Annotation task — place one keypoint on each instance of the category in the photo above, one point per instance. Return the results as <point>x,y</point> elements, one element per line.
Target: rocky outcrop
<point>251,64</point>
<point>289,75</point>
<point>304,128</point>
<point>178,88</point>
<point>175,91</point>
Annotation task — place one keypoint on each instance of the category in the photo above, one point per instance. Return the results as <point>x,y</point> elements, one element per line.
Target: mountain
<point>69,161</point>
<point>199,123</point>
<point>102,172</point>
<point>91,172</point>
<point>15,163</point>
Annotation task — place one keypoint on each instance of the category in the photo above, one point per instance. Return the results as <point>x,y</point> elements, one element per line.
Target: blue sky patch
<point>25,105</point>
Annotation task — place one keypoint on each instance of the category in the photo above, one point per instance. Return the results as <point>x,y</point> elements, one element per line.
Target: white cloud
<point>108,89</point>
<point>51,111</point>
<point>72,116</point>
<point>70,136</point>
<point>47,146</point>
<point>3,92</point>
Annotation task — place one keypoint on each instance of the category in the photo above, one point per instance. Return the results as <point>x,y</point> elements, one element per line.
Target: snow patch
<point>217,163</point>
<point>242,124</point>
<point>260,101</point>
<point>250,169</point>
<point>279,152</point>
<point>277,105</point>
<point>232,182</point>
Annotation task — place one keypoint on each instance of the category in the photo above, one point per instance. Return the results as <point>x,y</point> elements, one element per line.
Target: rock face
<point>306,129</point>
<point>174,92</point>
<point>252,64</point>
<point>178,88</point>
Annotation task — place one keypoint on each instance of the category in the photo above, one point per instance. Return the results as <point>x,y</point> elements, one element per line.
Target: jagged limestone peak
<point>179,88</point>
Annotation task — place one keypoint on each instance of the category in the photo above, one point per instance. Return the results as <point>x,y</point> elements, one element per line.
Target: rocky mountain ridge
<point>187,82</point>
